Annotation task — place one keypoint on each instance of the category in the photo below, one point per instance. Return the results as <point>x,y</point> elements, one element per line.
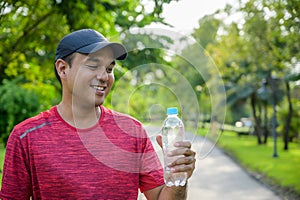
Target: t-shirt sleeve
<point>151,171</point>
<point>15,179</point>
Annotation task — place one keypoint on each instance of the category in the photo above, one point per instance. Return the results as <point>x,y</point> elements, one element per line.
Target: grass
<point>282,171</point>
<point>2,154</point>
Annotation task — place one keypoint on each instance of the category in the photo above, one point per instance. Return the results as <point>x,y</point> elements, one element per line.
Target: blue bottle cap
<point>172,111</point>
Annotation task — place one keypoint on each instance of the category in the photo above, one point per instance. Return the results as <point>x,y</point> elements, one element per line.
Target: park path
<point>218,177</point>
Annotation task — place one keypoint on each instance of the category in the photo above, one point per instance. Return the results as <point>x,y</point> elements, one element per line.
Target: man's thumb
<point>159,140</point>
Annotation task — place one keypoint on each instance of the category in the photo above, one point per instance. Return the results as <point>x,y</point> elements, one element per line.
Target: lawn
<point>282,171</point>
<point>2,153</point>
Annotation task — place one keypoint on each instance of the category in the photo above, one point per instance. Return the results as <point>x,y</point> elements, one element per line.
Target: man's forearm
<point>173,193</point>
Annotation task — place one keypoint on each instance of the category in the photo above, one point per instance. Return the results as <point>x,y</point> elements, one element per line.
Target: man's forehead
<point>100,59</point>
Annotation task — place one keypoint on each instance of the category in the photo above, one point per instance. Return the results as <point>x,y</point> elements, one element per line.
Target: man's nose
<point>102,74</point>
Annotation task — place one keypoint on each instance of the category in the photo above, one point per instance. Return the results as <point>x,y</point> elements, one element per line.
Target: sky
<point>185,14</point>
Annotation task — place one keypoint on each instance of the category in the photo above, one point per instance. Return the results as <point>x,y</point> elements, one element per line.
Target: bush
<point>16,104</point>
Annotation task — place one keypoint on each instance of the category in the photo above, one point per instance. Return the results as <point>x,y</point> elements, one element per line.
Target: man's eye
<point>92,66</point>
<point>109,70</point>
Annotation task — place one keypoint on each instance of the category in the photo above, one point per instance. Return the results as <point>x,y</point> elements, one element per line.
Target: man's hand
<point>185,163</point>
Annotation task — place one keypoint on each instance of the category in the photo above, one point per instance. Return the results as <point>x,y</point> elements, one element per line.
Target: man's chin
<point>99,102</point>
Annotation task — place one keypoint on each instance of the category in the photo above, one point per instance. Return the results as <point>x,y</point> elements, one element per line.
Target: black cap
<point>87,41</point>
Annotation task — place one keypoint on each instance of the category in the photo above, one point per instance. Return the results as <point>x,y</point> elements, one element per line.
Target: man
<point>81,150</point>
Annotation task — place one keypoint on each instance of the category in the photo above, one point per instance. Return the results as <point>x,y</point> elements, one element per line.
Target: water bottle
<point>172,132</point>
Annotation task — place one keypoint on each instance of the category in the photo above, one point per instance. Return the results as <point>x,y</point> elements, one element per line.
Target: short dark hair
<point>69,60</point>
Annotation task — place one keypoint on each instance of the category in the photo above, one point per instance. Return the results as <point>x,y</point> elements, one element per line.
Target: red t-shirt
<point>46,158</point>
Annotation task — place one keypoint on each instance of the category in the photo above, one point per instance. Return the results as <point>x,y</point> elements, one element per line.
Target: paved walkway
<point>218,177</point>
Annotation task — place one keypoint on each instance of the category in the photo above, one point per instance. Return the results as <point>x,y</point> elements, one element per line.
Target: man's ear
<point>61,67</point>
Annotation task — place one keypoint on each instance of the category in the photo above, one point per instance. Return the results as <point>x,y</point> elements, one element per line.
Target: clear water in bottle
<point>172,131</point>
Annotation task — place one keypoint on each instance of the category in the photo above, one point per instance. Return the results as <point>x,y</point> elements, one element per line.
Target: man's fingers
<point>183,168</point>
<point>159,140</point>
<point>182,151</point>
<point>183,161</point>
<point>183,144</point>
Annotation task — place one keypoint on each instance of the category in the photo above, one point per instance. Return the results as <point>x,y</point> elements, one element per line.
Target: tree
<point>194,63</point>
<point>30,31</point>
<point>255,48</point>
<point>284,34</point>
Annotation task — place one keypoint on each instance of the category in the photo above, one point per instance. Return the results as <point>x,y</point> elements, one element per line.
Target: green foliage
<point>16,104</point>
<point>207,32</point>
<point>147,92</point>
<point>150,80</point>
<point>30,31</point>
<point>295,123</point>
<point>262,45</point>
<point>192,65</point>
<point>144,48</point>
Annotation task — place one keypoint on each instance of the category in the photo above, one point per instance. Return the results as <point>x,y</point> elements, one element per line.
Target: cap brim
<point>119,50</point>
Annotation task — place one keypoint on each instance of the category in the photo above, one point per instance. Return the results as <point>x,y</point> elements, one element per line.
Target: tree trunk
<point>266,129</point>
<point>257,125</point>
<point>288,119</point>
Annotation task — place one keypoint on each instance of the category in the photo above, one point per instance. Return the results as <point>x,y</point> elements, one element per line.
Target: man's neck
<point>79,117</point>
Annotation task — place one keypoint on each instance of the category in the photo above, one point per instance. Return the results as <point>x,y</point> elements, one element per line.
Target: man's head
<point>84,65</point>
<point>86,41</point>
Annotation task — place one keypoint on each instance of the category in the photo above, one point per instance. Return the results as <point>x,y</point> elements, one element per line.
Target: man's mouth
<point>99,88</point>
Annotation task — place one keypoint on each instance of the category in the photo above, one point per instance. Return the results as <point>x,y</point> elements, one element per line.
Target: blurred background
<point>177,49</point>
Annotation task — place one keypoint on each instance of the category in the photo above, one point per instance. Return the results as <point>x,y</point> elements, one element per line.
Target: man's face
<point>91,77</point>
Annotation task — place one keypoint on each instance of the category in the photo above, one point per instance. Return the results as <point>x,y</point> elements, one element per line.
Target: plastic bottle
<point>172,131</point>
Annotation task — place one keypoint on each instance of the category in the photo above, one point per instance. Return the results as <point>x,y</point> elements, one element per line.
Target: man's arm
<point>183,164</point>
<point>15,180</point>
<point>165,193</point>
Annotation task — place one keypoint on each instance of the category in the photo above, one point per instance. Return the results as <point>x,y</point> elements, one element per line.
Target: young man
<point>81,150</point>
